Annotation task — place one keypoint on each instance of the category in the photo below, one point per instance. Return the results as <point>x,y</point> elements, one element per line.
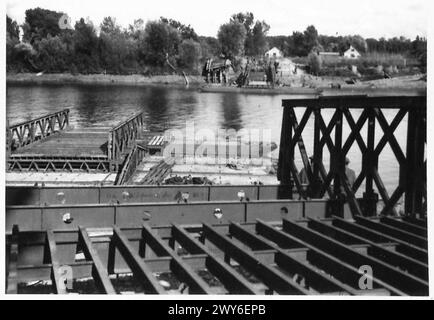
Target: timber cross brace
<point>409,107</point>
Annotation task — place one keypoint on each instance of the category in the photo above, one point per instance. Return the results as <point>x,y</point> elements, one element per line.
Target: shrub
<point>315,63</point>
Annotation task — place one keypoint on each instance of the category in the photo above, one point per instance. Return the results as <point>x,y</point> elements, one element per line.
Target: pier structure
<point>333,182</point>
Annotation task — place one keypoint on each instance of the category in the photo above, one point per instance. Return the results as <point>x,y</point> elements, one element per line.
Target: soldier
<point>351,175</point>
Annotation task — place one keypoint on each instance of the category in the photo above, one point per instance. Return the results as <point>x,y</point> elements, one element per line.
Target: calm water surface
<point>168,107</point>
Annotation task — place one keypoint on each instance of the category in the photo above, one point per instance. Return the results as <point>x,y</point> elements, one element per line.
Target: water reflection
<point>232,117</point>
<point>166,107</point>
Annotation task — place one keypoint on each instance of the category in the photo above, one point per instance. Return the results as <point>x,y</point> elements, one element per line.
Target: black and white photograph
<point>215,150</point>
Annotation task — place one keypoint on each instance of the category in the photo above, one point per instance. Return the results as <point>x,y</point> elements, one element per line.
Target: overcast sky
<point>369,18</point>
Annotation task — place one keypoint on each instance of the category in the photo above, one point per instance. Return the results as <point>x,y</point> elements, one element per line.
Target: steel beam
<point>413,220</point>
<point>229,277</point>
<point>99,272</point>
<point>410,265</point>
<point>394,232</point>
<point>136,264</point>
<point>389,274</point>
<point>274,279</point>
<point>55,266</point>
<point>314,278</point>
<point>405,226</point>
<point>12,263</point>
<point>410,100</point>
<point>341,270</point>
<point>185,273</point>
<point>378,237</point>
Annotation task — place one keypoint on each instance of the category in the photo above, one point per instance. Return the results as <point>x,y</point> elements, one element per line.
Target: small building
<point>352,53</point>
<point>273,53</point>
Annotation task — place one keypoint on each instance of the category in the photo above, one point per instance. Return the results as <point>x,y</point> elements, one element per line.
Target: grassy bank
<point>65,78</point>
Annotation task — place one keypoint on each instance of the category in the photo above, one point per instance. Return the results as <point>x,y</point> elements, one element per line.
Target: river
<point>172,107</point>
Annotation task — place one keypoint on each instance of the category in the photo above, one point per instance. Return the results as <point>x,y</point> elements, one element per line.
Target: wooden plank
<point>136,264</point>
<point>233,281</point>
<point>99,272</point>
<point>195,283</point>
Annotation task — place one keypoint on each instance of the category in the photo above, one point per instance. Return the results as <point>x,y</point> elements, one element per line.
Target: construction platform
<point>272,239</point>
<point>49,144</point>
<point>204,240</point>
<point>290,257</point>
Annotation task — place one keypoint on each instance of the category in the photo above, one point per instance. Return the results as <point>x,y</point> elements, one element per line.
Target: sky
<point>368,18</point>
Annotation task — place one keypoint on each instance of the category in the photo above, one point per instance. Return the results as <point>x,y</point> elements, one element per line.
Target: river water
<point>172,107</point>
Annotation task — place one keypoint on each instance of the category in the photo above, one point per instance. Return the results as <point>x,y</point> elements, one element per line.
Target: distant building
<point>274,53</point>
<point>352,53</point>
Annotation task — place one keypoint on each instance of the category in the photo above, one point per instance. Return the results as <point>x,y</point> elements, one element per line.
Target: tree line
<point>162,45</point>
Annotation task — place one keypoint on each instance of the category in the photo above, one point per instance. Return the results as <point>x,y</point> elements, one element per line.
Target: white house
<point>352,53</point>
<point>274,53</point>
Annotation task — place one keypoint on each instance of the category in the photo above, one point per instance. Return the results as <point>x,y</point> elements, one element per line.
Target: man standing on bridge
<point>350,174</point>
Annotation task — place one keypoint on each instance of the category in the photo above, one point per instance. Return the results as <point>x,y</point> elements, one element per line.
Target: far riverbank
<point>107,79</point>
<point>307,81</point>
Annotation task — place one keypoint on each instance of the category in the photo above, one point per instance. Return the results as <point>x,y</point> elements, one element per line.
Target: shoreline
<point>102,79</point>
<point>407,82</point>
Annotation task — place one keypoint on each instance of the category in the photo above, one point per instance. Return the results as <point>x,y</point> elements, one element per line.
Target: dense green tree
<point>256,32</point>
<point>39,23</point>
<point>136,29</point>
<point>12,29</point>
<point>47,47</point>
<point>109,26</point>
<point>280,42</point>
<point>419,50</point>
<point>232,37</point>
<point>314,62</point>
<point>112,46</point>
<point>310,38</point>
<point>297,47</point>
<point>12,39</point>
<point>210,47</point>
<point>53,54</point>
<point>159,42</point>
<point>259,39</point>
<point>190,54</point>
<point>86,47</point>
<point>118,51</point>
<point>186,31</point>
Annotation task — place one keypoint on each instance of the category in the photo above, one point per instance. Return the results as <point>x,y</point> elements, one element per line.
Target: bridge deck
<point>81,142</point>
